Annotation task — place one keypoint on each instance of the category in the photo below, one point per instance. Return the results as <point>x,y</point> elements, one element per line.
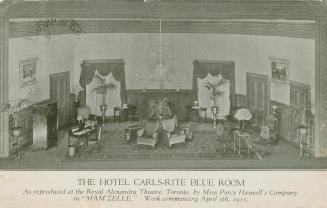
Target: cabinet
<point>45,128</point>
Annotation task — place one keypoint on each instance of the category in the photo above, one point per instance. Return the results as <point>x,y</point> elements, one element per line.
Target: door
<point>300,97</point>
<point>258,97</point>
<point>60,93</point>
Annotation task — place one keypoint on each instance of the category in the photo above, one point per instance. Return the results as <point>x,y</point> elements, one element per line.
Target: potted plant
<point>160,109</point>
<point>214,90</point>
<point>103,88</point>
<point>13,108</point>
<point>214,93</point>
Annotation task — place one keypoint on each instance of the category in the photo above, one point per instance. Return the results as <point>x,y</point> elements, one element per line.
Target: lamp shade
<point>243,114</point>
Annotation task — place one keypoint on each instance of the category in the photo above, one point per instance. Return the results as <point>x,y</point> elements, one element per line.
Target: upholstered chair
<point>173,134</point>
<point>148,134</point>
<point>264,140</point>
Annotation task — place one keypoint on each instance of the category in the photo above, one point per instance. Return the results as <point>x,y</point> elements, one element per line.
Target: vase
<point>71,150</point>
<point>16,131</point>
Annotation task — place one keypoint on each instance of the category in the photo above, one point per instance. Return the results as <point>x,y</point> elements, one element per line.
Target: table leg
<point>126,115</point>
<point>234,146</point>
<point>239,144</point>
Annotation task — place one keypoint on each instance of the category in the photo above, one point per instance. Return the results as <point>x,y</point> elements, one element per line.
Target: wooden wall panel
<point>321,89</point>
<point>177,99</point>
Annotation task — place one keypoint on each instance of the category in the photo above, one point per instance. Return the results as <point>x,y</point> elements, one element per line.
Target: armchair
<point>174,134</point>
<point>148,134</point>
<point>264,140</point>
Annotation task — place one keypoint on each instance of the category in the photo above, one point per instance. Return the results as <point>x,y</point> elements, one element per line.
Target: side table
<point>122,113</point>
<point>199,110</point>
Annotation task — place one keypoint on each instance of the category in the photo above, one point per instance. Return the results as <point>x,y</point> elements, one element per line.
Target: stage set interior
<point>163,84</point>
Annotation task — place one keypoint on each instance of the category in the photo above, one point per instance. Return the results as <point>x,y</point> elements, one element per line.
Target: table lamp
<point>243,114</point>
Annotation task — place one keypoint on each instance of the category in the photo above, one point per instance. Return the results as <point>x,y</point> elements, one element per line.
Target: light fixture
<point>243,114</point>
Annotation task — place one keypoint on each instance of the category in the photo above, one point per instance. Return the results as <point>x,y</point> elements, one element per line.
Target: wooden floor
<point>284,156</point>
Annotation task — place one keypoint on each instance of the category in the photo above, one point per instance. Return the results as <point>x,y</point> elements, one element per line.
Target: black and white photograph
<point>164,85</point>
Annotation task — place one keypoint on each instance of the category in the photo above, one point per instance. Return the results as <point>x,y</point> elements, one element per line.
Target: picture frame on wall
<point>280,70</point>
<point>28,72</point>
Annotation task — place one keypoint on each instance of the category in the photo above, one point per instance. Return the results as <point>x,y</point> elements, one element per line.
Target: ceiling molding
<point>168,10</point>
<point>288,29</point>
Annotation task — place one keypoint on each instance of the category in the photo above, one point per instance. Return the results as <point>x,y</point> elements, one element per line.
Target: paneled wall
<point>26,122</point>
<point>177,99</point>
<point>4,134</point>
<point>321,87</point>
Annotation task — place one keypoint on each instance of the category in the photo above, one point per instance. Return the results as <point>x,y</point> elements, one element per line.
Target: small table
<point>80,133</point>
<point>122,113</point>
<point>190,109</point>
<point>242,137</point>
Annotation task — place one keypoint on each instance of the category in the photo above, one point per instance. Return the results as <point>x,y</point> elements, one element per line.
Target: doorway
<point>300,98</point>
<point>258,97</point>
<point>60,93</point>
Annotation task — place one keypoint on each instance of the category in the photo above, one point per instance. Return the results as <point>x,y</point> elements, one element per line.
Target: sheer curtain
<point>94,100</point>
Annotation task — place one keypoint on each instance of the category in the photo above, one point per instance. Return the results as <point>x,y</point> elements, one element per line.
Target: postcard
<point>163,103</point>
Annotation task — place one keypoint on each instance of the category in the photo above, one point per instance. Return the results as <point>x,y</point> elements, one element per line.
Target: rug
<point>203,146</point>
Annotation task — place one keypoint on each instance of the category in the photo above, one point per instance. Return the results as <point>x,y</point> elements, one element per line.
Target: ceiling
<point>290,18</point>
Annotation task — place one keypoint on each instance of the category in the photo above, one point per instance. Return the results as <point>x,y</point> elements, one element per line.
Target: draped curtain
<point>210,71</point>
<point>94,100</point>
<point>115,67</point>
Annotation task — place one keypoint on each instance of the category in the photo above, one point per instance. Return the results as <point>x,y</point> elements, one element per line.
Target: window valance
<point>225,68</point>
<point>105,67</point>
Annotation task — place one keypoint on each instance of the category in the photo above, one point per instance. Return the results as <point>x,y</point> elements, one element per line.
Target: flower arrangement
<point>76,90</point>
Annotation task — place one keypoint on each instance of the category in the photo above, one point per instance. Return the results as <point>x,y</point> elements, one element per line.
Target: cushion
<point>168,125</point>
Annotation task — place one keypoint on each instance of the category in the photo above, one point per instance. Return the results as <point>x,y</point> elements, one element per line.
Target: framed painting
<point>28,72</point>
<point>280,70</point>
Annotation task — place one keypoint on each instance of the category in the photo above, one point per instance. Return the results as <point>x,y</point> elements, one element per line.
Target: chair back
<point>150,127</point>
<point>169,124</point>
<point>99,132</point>
<point>271,122</point>
<point>83,112</point>
<point>264,132</point>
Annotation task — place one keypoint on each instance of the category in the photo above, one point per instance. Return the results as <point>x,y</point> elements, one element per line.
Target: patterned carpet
<point>115,147</point>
